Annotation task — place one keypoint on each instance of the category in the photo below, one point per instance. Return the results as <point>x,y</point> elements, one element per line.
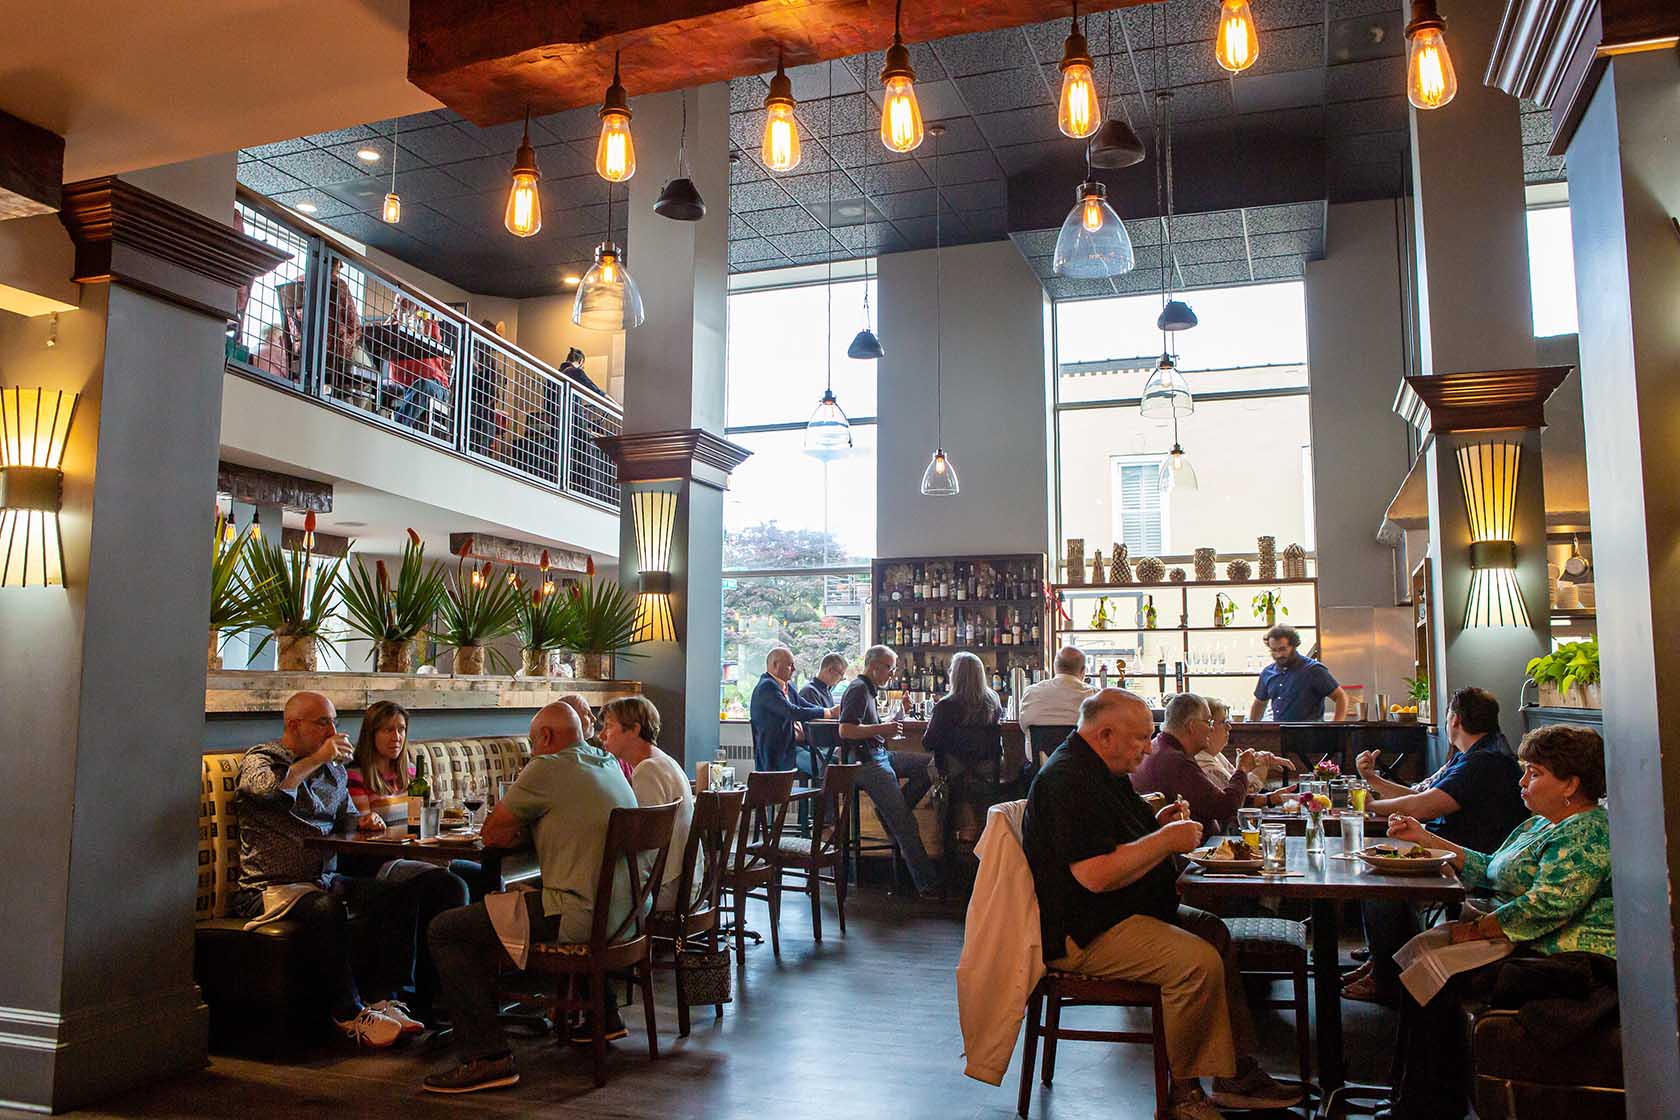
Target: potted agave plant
<point>542,622</point>
<point>601,622</point>
<point>476,609</point>
<point>231,595</point>
<point>393,612</point>
<point>293,598</point>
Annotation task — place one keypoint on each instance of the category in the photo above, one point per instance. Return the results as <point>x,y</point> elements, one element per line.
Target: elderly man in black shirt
<point>1108,905</point>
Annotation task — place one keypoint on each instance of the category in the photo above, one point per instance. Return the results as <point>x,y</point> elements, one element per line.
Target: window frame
<point>1117,464</point>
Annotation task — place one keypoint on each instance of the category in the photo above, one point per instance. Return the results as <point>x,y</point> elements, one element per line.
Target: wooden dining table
<point>502,865</point>
<point>1325,882</point>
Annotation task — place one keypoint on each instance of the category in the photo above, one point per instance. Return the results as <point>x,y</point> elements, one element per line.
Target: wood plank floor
<point>864,1026</point>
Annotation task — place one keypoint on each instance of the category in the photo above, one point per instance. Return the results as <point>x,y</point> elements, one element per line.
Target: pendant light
<point>391,212</point>
<point>901,114</point>
<point>607,298</point>
<point>1176,472</point>
<point>1430,79</point>
<point>1166,395</point>
<point>1116,143</point>
<point>524,208</point>
<point>615,151</point>
<point>1077,114</point>
<point>865,345</point>
<point>1176,314</point>
<point>1235,43</point>
<point>939,480</point>
<point>828,434</point>
<point>1093,243</point>
<point>780,148</point>
<point>680,201</point>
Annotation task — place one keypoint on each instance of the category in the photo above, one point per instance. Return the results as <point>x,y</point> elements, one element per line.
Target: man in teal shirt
<point>563,799</point>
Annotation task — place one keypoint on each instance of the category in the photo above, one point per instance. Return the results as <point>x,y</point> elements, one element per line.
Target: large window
<point>1248,441</point>
<point>799,531</point>
<point>1551,271</point>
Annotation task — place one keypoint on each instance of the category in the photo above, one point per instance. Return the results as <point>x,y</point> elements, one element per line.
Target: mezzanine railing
<point>334,327</point>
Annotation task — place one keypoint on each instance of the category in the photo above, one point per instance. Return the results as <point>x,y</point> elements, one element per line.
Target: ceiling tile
<point>983,195</point>
<point>893,177</point>
<point>1208,251</point>
<point>425,184</point>
<point>990,225</point>
<point>317,167</point>
<point>264,179</point>
<point>1287,90</point>
<point>752,251</point>
<point>1035,243</point>
<point>806,243</point>
<point>1299,243</point>
<point>1215,275</point>
<point>1289,216</point>
<point>1351,81</point>
<point>811,82</point>
<point>813,189</point>
<point>963,167</point>
<point>1378,114</point>
<point>905,204</point>
<point>487,173</point>
<point>761,195</point>
<point>739,227</point>
<point>984,51</point>
<point>747,93</point>
<point>1277,268</point>
<point>1207,227</point>
<point>1020,126</point>
<point>326,206</point>
<point>938,101</point>
<point>786,219</point>
<point>444,143</point>
<point>573,124</point>
<point>278,148</point>
<point>1002,91</point>
<point>341,136</point>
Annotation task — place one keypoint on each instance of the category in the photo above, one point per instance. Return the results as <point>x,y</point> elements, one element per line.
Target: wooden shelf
<point>919,604</point>
<point>1189,584</point>
<point>1573,612</point>
<point>1178,629</point>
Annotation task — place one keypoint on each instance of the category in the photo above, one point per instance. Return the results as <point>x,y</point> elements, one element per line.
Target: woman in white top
<point>629,729</point>
<point>1218,768</point>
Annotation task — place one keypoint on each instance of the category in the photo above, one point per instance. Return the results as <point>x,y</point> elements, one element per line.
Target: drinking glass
<point>474,801</point>
<point>1272,848</point>
<point>1358,792</point>
<point>726,777</point>
<point>1248,824</point>
<point>1353,832</point>
<point>431,820</point>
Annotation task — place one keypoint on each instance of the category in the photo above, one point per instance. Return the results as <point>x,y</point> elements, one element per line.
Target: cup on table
<point>431,820</point>
<point>1248,825</point>
<point>1353,832</point>
<point>1358,792</point>
<point>726,777</point>
<point>1273,850</point>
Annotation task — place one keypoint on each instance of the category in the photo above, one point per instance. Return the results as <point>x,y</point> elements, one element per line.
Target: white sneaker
<point>398,1010</point>
<point>1193,1106</point>
<point>372,1028</point>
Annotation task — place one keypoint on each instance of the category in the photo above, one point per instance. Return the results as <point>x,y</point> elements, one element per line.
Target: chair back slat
<point>831,821</point>
<point>765,810</point>
<point>706,855</point>
<point>630,833</point>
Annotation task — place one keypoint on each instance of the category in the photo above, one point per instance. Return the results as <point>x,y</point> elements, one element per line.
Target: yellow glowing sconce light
<point>34,427</point>
<point>1077,114</point>
<point>656,522</point>
<point>615,151</point>
<point>1235,43</point>
<point>1430,79</point>
<point>1488,473</point>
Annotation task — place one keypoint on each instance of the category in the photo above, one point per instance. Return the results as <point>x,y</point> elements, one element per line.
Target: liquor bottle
<point>944,583</point>
<point>1179,677</point>
<point>419,792</point>
<point>972,586</point>
<point>1161,676</point>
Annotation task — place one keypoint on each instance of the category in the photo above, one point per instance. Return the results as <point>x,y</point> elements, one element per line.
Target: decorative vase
<point>1268,557</point>
<point>1294,562</point>
<point>1151,570</point>
<point>396,656</point>
<point>297,653</point>
<point>533,662</point>
<point>1237,571</point>
<point>1119,568</point>
<point>1076,560</point>
<point>594,666</point>
<point>1206,565</point>
<point>215,661</point>
<point>1177,575</point>
<point>1315,831</point>
<point>1099,574</point>
<point>469,661</point>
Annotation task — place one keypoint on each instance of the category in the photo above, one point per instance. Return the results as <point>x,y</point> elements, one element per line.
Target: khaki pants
<point>1191,961</point>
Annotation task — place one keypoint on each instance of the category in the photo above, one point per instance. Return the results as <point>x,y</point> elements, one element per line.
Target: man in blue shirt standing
<point>776,707</point>
<point>1296,685</point>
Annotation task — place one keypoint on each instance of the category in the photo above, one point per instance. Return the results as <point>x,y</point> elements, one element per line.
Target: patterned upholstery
<point>449,763</point>
<point>1268,943</point>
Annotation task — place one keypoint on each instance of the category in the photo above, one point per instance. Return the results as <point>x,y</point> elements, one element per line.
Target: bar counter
<point>1307,741</point>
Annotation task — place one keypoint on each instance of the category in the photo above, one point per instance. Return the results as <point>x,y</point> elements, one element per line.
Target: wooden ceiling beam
<point>504,550</point>
<point>489,62</point>
<point>31,169</point>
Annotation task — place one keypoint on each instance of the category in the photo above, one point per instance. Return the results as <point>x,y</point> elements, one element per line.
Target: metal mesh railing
<point>268,335</point>
<point>336,327</point>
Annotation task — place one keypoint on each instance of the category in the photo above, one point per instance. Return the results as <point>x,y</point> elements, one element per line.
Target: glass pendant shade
<point>901,113</point>
<point>1430,79</point>
<point>607,298</point>
<point>680,201</point>
<point>1235,43</point>
<point>1093,242</point>
<point>940,478</point>
<point>865,346</point>
<point>828,434</point>
<point>1177,473</point>
<point>1176,316</point>
<point>780,148</point>
<point>1115,145</point>
<point>391,212</point>
<point>523,217</point>
<point>1166,395</point>
<point>1077,113</point>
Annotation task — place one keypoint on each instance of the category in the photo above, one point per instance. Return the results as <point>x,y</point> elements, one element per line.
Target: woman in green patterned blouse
<point>1550,893</point>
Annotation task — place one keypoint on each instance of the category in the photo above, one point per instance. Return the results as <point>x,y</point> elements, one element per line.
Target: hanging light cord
<point>938,316</point>
<point>396,123</point>
<point>682,143</point>
<point>828,222</point>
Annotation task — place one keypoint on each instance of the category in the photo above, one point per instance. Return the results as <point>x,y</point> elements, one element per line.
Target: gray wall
<point>996,402</point>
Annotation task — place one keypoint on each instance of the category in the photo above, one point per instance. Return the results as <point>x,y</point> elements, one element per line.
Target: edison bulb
<point>901,115</point>
<point>1430,80</point>
<point>524,210</point>
<point>615,152</point>
<point>1078,115</point>
<point>392,210</point>
<point>781,138</point>
<point>1091,214</point>
<point>1235,44</point>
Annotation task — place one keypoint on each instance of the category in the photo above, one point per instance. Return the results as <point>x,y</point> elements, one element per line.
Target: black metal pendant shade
<point>1176,316</point>
<point>680,201</point>
<point>865,346</point>
<point>1115,145</point>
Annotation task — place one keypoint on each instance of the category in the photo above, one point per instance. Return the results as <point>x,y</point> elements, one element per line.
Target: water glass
<point>1273,848</point>
<point>1248,824</point>
<point>431,818</point>
<point>1353,833</point>
<point>726,777</point>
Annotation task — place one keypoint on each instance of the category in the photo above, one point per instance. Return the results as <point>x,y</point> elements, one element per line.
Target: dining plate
<point>454,838</point>
<point>1199,857</point>
<point>1406,865</point>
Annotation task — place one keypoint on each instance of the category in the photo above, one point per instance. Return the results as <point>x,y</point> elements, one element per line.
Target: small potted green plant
<point>601,621</point>
<point>293,598</point>
<point>1269,604</point>
<point>542,625</point>
<point>231,595</point>
<point>477,608</point>
<point>1568,676</point>
<point>1224,609</point>
<point>393,612</point>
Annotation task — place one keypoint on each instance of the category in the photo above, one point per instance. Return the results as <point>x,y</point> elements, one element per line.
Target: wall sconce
<point>1488,473</point>
<point>656,523</point>
<point>34,427</point>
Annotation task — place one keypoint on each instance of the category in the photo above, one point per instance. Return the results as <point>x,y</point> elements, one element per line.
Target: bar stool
<point>1274,949</point>
<point>1073,989</point>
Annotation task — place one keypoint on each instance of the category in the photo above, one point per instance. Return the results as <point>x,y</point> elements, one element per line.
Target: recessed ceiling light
<point>306,207</point>
<point>367,155</point>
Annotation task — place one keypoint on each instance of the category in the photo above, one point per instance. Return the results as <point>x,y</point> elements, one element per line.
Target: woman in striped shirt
<point>382,768</point>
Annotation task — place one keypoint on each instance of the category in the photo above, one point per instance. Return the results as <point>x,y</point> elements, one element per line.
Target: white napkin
<point>1430,959</point>
<point>513,926</point>
<point>277,900</point>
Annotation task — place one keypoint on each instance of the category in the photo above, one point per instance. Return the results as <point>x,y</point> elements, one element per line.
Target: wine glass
<point>474,801</point>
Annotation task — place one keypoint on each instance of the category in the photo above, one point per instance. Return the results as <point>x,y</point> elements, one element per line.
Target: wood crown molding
<point>131,236</point>
<point>687,453</point>
<point>1479,401</point>
<point>1555,51</point>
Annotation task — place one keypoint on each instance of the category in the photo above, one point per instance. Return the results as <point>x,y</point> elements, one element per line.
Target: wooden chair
<point>825,849</point>
<point>764,813</point>
<point>631,834</point>
<point>700,886</point>
<point>1274,949</point>
<point>1072,989</point>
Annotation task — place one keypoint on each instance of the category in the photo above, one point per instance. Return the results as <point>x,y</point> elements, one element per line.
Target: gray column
<point>674,405</point>
<point>1624,187</point>
<point>103,689</point>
